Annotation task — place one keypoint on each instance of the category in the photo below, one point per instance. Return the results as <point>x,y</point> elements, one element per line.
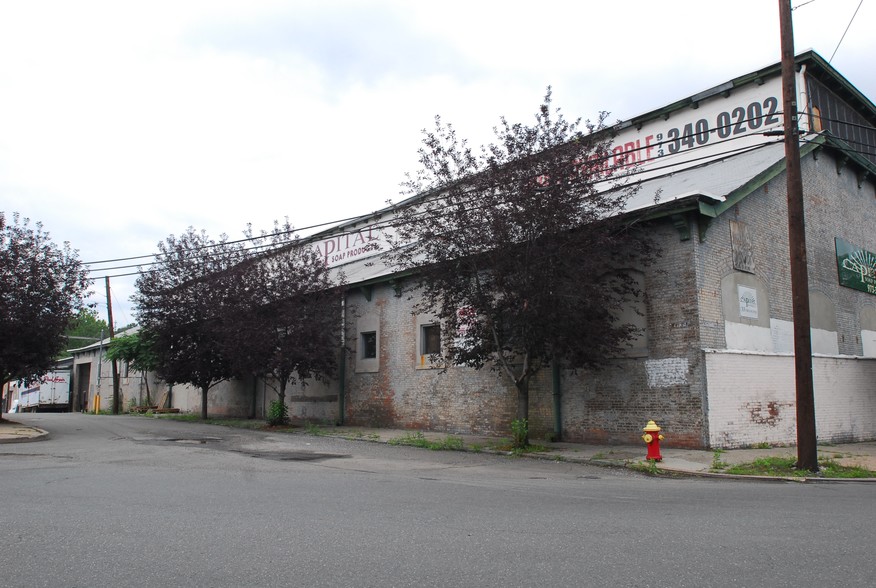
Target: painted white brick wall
<point>868,342</point>
<point>663,373</point>
<point>752,399</point>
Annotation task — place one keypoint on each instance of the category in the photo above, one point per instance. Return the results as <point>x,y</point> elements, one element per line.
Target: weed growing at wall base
<point>785,467</point>
<point>417,439</point>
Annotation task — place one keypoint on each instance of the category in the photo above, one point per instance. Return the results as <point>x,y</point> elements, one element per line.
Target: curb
<point>33,434</point>
<point>40,435</point>
<point>801,480</point>
<point>664,471</point>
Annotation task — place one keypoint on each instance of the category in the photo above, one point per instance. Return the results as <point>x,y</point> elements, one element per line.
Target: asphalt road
<point>136,501</point>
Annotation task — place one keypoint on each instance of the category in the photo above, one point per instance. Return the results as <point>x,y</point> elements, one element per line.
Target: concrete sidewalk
<point>676,460</point>
<point>697,462</point>
<point>13,432</point>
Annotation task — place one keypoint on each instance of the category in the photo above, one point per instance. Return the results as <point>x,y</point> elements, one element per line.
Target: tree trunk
<point>281,391</point>
<point>204,390</point>
<point>523,404</point>
<point>281,397</point>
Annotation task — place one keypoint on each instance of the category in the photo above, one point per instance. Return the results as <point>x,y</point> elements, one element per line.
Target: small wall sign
<point>747,302</point>
<point>856,267</point>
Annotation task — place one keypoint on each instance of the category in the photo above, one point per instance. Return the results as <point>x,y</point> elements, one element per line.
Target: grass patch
<point>225,422</point>
<point>508,447</point>
<point>645,467</point>
<point>784,467</point>
<point>417,439</point>
<point>718,464</point>
<point>314,429</point>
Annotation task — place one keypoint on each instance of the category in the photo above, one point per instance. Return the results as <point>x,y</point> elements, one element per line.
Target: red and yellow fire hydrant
<point>652,438</point>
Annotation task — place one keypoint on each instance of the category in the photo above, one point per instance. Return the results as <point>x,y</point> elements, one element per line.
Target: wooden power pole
<point>112,334</point>
<point>807,452</point>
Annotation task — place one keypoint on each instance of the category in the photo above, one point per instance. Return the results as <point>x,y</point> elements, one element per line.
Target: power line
<point>224,242</point>
<point>265,247</point>
<point>431,215</point>
<point>610,156</point>
<point>846,31</point>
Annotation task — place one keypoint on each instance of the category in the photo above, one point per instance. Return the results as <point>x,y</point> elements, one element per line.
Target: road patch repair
<point>292,455</point>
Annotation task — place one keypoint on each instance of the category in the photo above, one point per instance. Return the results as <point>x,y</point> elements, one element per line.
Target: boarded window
<point>369,345</point>
<point>431,340</point>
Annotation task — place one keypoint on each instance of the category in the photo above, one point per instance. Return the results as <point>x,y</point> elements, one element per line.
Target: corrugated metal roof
<point>714,179</point>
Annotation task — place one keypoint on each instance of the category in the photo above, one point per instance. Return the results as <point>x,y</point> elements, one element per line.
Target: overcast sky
<point>123,122</point>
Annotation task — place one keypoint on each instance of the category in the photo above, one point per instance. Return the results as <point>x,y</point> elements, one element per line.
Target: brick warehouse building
<point>714,364</point>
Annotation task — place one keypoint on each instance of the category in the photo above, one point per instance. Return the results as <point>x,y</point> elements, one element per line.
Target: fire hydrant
<point>652,438</point>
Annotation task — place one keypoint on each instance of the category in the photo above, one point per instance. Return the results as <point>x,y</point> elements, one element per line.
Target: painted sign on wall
<point>747,302</point>
<point>856,267</point>
<point>721,124</point>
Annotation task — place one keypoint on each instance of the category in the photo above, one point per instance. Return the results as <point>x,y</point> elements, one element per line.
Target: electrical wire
<point>426,215</point>
<point>432,216</point>
<point>611,156</point>
<point>681,139</point>
<point>846,31</point>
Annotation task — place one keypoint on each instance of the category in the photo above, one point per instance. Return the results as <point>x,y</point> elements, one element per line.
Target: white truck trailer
<point>50,393</point>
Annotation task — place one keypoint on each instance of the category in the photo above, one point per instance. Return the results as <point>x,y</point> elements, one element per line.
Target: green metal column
<point>558,417</point>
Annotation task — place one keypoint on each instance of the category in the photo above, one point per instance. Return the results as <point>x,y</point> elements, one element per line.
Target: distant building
<point>93,379</point>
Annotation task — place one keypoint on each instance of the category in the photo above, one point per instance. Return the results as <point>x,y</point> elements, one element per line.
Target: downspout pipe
<point>342,368</point>
<point>557,395</point>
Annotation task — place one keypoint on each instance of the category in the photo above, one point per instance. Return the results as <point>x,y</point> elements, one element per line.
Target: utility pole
<point>807,452</point>
<point>109,313</point>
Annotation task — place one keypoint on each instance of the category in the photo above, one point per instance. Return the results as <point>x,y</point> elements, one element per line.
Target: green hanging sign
<point>856,267</point>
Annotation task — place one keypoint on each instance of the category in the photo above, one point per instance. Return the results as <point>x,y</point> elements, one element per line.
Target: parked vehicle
<point>50,393</point>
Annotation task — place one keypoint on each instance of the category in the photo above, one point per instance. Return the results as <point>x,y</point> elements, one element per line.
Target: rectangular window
<point>369,345</point>
<point>431,340</point>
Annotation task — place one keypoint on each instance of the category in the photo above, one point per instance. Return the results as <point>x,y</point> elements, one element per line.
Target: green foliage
<point>314,429</point>
<point>185,303</point>
<point>278,413</point>
<point>718,463</point>
<point>417,439</point>
<point>646,468</point>
<point>136,349</point>
<point>520,433</point>
<point>42,288</point>
<point>785,467</point>
<point>86,328</point>
<point>238,423</point>
<point>511,246</point>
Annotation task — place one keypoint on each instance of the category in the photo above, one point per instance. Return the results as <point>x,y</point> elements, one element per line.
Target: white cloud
<point>123,122</point>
